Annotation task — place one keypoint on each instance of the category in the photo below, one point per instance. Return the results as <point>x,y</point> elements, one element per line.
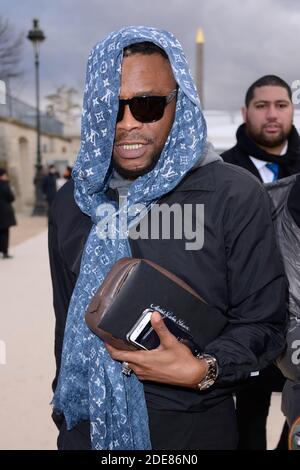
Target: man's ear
<point>244,113</point>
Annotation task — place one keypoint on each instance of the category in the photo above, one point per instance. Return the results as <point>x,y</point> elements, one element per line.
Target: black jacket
<point>289,164</point>
<point>285,196</point>
<point>293,202</point>
<point>238,271</point>
<point>49,187</point>
<point>7,215</point>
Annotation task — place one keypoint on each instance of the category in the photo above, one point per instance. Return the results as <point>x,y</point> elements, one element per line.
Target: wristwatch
<point>212,371</point>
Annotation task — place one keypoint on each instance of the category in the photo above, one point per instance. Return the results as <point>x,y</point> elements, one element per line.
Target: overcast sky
<point>244,39</point>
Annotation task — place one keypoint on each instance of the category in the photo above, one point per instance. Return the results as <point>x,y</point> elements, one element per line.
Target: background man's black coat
<point>7,215</point>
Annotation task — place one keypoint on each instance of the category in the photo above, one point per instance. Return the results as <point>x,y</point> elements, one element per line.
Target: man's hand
<point>171,363</point>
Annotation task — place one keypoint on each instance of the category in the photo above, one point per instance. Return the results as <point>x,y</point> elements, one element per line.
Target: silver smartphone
<point>142,334</point>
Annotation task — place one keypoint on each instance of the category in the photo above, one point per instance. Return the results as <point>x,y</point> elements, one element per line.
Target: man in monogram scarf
<point>144,137</point>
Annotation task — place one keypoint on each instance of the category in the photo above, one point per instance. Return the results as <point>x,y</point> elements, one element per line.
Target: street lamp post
<point>36,36</point>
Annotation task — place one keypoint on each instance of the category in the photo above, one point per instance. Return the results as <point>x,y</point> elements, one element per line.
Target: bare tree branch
<point>11,45</point>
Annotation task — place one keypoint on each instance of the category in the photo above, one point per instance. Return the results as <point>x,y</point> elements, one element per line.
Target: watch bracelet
<point>212,372</point>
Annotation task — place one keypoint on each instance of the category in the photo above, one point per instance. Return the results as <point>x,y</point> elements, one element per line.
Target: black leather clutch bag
<point>134,285</point>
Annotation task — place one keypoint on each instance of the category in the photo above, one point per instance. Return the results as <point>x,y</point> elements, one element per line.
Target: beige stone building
<point>18,147</point>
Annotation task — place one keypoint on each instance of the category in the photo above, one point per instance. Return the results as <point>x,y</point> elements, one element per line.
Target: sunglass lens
<point>143,108</point>
<point>147,108</point>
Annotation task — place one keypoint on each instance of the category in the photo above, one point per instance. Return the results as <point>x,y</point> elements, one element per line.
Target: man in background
<point>49,185</point>
<point>268,145</point>
<point>7,215</point>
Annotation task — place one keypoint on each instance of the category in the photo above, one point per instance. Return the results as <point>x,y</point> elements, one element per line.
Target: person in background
<point>7,215</point>
<point>68,173</point>
<point>285,197</point>
<point>49,185</point>
<point>268,145</point>
<point>61,180</point>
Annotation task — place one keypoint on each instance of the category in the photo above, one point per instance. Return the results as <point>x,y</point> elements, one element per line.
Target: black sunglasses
<point>146,108</point>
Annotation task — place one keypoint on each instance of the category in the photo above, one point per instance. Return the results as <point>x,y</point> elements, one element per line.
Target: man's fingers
<point>122,356</point>
<point>158,324</point>
<point>135,357</point>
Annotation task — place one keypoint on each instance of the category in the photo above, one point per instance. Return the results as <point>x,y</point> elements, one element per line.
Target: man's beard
<point>133,174</point>
<point>269,141</point>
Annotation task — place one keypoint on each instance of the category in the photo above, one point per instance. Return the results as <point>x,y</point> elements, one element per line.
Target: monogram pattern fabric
<point>91,385</point>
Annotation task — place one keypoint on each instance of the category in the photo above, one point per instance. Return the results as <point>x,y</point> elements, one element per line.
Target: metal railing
<point>26,114</point>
